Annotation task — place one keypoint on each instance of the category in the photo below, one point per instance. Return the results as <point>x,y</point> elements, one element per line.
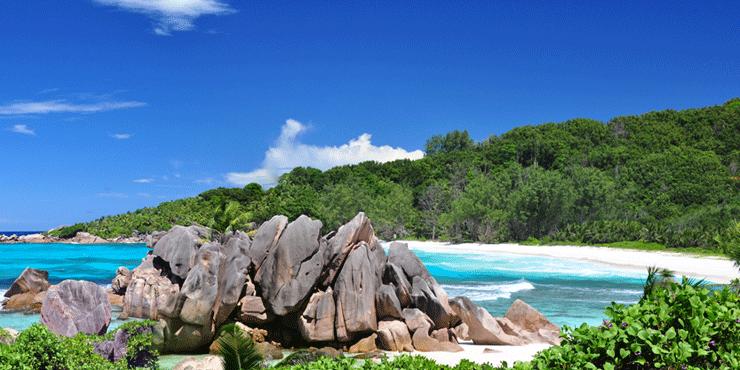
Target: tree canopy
<point>669,177</point>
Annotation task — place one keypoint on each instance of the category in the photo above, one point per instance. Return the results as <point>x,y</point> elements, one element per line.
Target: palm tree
<point>237,350</point>
<point>657,278</point>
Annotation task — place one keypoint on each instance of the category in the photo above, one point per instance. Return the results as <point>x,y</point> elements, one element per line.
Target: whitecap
<point>487,292</point>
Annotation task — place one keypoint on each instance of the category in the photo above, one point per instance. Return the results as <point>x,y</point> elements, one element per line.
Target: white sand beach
<point>715,269</point>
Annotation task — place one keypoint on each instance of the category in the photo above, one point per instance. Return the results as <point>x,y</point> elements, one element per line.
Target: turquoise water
<point>567,292</point>
<point>93,262</point>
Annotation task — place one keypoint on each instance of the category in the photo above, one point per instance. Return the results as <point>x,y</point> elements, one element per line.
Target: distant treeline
<point>669,177</point>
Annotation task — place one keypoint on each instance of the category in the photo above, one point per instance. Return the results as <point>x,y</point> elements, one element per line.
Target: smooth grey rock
<point>29,281</point>
<point>394,336</point>
<point>75,306</point>
<point>115,349</point>
<point>538,328</point>
<point>416,319</point>
<point>365,345</point>
<point>179,246</point>
<point>387,304</point>
<point>150,295</point>
<point>209,362</point>
<point>482,327</point>
<point>8,336</point>
<point>357,230</point>
<point>436,307</point>
<point>426,343</point>
<point>395,276</point>
<point>252,311</point>
<point>266,239</point>
<point>121,281</point>
<point>201,287</point>
<point>316,324</point>
<point>233,276</point>
<point>400,255</point>
<point>354,293</point>
<point>292,267</point>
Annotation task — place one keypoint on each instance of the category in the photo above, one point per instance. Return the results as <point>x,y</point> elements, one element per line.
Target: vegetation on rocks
<point>668,177</point>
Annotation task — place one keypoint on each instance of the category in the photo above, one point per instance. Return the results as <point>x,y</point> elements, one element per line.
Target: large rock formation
<point>75,306</point>
<point>300,287</point>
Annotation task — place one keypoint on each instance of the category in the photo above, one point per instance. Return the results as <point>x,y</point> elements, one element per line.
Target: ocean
<point>19,233</point>
<point>567,292</point>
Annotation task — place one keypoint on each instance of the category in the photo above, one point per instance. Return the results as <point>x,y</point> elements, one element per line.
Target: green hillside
<point>668,177</point>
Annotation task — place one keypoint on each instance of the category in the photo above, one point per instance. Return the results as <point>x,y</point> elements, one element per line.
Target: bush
<point>37,348</point>
<point>679,327</point>
<point>405,362</point>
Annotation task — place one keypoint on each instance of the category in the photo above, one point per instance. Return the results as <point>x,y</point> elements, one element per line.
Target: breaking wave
<point>487,292</point>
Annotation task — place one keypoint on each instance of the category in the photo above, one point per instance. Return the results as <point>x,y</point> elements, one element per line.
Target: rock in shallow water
<point>75,306</point>
<point>29,281</point>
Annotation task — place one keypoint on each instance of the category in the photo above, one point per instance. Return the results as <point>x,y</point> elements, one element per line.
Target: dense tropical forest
<point>667,177</point>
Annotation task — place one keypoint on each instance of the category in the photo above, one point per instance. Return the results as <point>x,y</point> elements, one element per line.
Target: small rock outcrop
<point>209,362</point>
<point>482,328</point>
<point>27,291</point>
<point>75,306</point>
<point>120,282</point>
<point>394,336</point>
<point>29,281</point>
<point>316,324</point>
<point>533,324</point>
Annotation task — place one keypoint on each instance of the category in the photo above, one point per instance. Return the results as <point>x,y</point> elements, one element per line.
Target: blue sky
<point>110,105</point>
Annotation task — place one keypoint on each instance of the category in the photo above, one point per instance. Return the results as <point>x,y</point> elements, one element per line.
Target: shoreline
<point>715,269</point>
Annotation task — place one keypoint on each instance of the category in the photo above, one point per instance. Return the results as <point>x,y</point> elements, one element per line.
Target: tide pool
<point>567,292</point>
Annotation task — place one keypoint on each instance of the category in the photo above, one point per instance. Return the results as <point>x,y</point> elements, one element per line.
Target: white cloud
<point>144,181</point>
<point>171,15</point>
<point>62,106</point>
<point>121,136</point>
<point>288,153</point>
<point>23,130</point>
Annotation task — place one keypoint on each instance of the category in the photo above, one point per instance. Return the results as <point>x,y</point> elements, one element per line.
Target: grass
<point>636,245</point>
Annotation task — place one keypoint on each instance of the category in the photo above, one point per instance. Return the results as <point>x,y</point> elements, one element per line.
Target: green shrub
<point>405,362</point>
<point>37,348</point>
<point>679,327</point>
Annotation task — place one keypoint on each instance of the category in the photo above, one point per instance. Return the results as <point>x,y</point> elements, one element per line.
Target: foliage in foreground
<point>405,362</point>
<point>237,350</point>
<point>667,177</point>
<point>681,326</point>
<point>37,348</point>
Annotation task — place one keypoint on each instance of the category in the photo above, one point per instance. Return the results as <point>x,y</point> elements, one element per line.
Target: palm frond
<point>238,351</point>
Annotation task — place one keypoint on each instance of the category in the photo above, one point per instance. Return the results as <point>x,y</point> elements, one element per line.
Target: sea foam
<point>487,292</point>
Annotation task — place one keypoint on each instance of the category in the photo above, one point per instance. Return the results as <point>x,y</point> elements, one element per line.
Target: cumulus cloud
<point>121,136</point>
<point>62,106</point>
<point>288,153</point>
<point>23,130</point>
<point>171,15</point>
<point>144,181</point>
